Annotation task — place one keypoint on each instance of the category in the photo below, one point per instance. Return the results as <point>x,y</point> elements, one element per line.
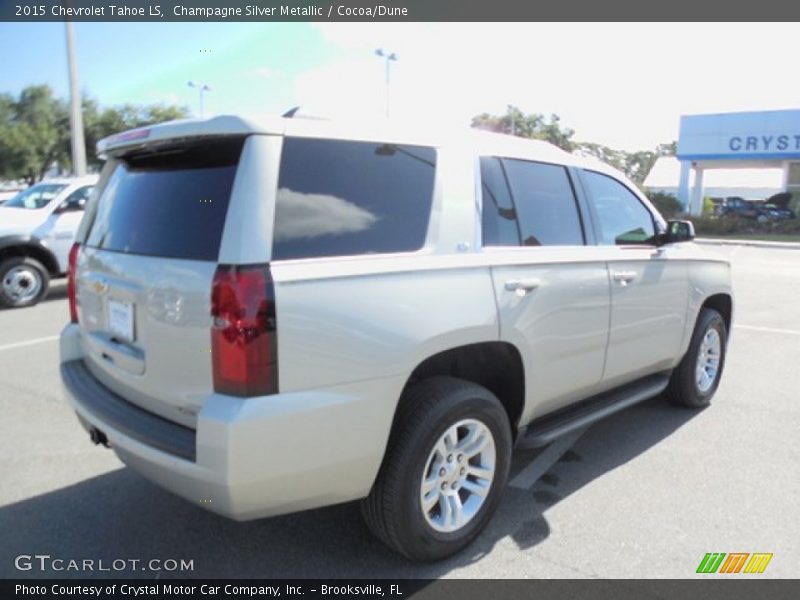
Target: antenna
<point>290,113</point>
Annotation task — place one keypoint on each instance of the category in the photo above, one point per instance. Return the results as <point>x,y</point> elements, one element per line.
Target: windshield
<point>37,196</point>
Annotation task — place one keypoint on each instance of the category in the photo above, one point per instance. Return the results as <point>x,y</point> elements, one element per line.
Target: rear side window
<point>548,212</point>
<point>171,203</point>
<point>338,198</point>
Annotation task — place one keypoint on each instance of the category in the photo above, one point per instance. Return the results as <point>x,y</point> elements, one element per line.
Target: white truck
<point>37,227</point>
<point>271,317</point>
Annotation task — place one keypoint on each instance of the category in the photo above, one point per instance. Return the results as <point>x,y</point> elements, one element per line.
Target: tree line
<point>636,165</point>
<point>35,132</point>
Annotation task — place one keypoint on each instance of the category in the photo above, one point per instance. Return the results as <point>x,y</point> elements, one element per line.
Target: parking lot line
<point>542,463</point>
<point>50,338</point>
<point>768,329</point>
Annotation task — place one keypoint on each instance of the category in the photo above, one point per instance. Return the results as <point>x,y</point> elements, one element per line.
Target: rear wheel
<point>696,378</point>
<point>444,470</point>
<point>23,282</point>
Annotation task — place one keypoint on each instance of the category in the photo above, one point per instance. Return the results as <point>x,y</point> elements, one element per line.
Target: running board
<point>547,428</point>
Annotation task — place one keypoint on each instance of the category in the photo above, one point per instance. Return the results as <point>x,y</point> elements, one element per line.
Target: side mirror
<point>679,231</point>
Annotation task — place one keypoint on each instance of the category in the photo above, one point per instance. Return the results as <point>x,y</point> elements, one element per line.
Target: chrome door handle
<point>624,277</point>
<point>522,286</point>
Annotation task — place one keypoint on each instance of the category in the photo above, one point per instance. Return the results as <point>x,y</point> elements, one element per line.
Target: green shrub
<point>667,204</point>
<point>733,226</point>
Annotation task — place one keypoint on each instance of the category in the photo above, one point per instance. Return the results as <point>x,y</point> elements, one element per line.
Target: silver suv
<point>272,317</point>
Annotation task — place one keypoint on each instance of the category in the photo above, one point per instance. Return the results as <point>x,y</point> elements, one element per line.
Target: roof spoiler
<point>172,131</point>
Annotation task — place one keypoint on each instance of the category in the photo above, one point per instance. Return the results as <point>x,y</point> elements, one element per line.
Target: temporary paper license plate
<point>120,319</point>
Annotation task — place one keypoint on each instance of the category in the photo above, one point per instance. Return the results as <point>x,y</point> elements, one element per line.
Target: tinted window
<point>172,203</point>
<point>546,207</point>
<point>339,198</point>
<point>37,196</point>
<point>499,219</point>
<point>622,218</point>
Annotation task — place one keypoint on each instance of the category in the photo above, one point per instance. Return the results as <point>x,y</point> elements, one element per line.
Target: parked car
<point>777,206</point>
<point>37,227</point>
<point>776,213</point>
<point>9,189</point>
<point>736,206</point>
<point>267,318</point>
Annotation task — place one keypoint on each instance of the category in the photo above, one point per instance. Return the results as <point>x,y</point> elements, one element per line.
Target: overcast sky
<point>624,85</point>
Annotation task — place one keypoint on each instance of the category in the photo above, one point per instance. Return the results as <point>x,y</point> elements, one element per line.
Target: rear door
<point>649,284</point>
<point>552,289</point>
<point>145,274</point>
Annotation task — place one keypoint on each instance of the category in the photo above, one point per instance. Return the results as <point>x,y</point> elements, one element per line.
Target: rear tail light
<point>72,291</point>
<point>244,340</point>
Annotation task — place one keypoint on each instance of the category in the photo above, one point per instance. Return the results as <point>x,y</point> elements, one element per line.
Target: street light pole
<point>387,57</point>
<point>201,87</point>
<point>75,114</point>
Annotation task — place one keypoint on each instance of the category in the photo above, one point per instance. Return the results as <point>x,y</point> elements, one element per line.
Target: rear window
<point>338,198</point>
<point>171,203</point>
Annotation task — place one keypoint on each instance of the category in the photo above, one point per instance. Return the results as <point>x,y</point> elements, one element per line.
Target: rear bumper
<point>252,457</point>
<point>118,414</point>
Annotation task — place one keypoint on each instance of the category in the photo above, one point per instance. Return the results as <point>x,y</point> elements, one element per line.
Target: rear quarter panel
<point>363,325</point>
<point>359,319</point>
<point>709,274</point>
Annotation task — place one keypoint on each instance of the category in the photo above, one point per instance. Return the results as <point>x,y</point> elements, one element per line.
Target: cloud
<point>342,88</point>
<point>299,215</point>
<point>265,72</point>
<point>620,84</point>
<point>160,97</point>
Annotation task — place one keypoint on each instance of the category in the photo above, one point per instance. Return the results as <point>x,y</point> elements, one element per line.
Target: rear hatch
<point>146,271</point>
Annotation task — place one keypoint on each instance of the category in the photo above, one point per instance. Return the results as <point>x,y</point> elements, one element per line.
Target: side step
<point>547,428</point>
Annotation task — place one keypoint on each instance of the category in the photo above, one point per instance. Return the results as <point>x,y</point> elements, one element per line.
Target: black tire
<point>35,269</point>
<point>683,389</point>
<point>392,510</point>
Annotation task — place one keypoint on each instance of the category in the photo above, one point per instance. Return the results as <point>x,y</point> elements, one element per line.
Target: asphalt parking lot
<point>644,494</point>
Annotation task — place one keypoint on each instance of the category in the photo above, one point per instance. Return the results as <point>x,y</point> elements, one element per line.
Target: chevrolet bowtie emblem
<point>100,287</point>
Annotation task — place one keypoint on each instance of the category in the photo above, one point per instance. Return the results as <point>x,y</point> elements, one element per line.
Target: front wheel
<point>444,471</point>
<point>696,378</point>
<point>24,281</point>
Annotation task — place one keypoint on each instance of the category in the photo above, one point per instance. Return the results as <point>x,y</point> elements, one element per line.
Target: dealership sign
<point>773,135</point>
<point>764,143</point>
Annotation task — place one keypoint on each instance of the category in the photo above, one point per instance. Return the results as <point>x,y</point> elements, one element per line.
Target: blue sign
<point>767,135</point>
